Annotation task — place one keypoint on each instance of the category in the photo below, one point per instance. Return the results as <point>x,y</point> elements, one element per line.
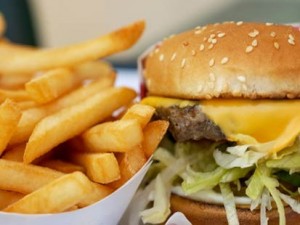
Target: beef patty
<point>190,123</point>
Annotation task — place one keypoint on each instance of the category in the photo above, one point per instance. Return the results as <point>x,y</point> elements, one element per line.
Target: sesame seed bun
<point>207,214</point>
<point>241,60</point>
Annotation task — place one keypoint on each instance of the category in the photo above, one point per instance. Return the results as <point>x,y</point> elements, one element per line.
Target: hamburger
<point>230,92</point>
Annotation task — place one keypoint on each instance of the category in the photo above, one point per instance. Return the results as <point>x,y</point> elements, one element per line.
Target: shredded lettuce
<point>234,174</point>
<point>265,204</point>
<point>247,159</point>
<point>271,185</point>
<point>293,203</point>
<point>164,156</point>
<point>255,184</point>
<point>161,204</point>
<point>291,161</point>
<point>197,181</point>
<point>229,204</point>
<point>198,168</point>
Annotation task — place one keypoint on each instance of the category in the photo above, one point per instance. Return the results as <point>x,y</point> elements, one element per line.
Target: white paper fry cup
<point>108,211</point>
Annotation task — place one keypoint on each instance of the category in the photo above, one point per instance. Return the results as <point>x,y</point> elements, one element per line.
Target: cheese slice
<point>266,125</point>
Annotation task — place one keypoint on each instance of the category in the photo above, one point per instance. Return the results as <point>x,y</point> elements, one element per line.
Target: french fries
<point>18,177</point>
<point>15,153</point>
<point>100,167</point>
<point>60,165</point>
<point>15,95</point>
<point>116,136</point>
<point>91,50</point>
<point>130,163</point>
<point>32,116</point>
<point>67,123</point>
<point>142,113</point>
<point>50,85</point>
<point>62,147</point>
<point>153,134</point>
<point>8,197</point>
<point>53,198</point>
<point>9,119</point>
<point>2,25</point>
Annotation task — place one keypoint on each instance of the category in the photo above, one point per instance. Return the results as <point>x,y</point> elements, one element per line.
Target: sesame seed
<point>205,39</point>
<point>269,24</point>
<point>213,41</point>
<point>212,77</point>
<point>224,60</point>
<point>244,87</point>
<point>183,63</point>
<point>291,37</point>
<point>276,45</point>
<point>201,47</point>
<point>198,28</point>
<point>156,50</point>
<point>254,33</point>
<point>239,23</point>
<point>216,24</point>
<point>241,78</point>
<point>249,49</point>
<point>204,28</point>
<point>254,43</point>
<point>173,56</point>
<point>210,46</point>
<point>161,57</point>
<point>212,36</point>
<point>273,34</point>
<point>220,35</point>
<point>193,52</point>
<point>172,35</point>
<point>211,62</point>
<point>198,32</point>
<point>291,41</point>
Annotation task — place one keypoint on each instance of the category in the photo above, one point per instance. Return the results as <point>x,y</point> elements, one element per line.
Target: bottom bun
<point>208,214</point>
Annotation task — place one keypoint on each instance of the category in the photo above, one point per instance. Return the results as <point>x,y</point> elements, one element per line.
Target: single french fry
<point>32,116</point>
<point>93,69</point>
<point>142,113</point>
<point>153,134</point>
<point>14,153</point>
<point>24,105</point>
<point>57,196</point>
<point>130,163</point>
<point>22,178</point>
<point>8,197</point>
<point>99,192</point>
<point>10,115</point>
<point>51,85</point>
<point>15,95</point>
<point>116,136</point>
<point>14,81</point>
<point>73,120</point>
<point>60,165</point>
<point>7,47</point>
<point>100,167</point>
<point>2,25</point>
<point>94,49</point>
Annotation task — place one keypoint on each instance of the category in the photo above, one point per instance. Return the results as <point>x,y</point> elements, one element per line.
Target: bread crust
<point>229,60</point>
<point>208,214</point>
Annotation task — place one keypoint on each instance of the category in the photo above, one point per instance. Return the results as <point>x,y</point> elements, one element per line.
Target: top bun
<point>230,60</point>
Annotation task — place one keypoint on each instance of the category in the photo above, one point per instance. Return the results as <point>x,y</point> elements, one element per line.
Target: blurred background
<point>60,22</point>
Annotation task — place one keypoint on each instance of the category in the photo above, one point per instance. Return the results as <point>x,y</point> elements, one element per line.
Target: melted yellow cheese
<point>267,125</point>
